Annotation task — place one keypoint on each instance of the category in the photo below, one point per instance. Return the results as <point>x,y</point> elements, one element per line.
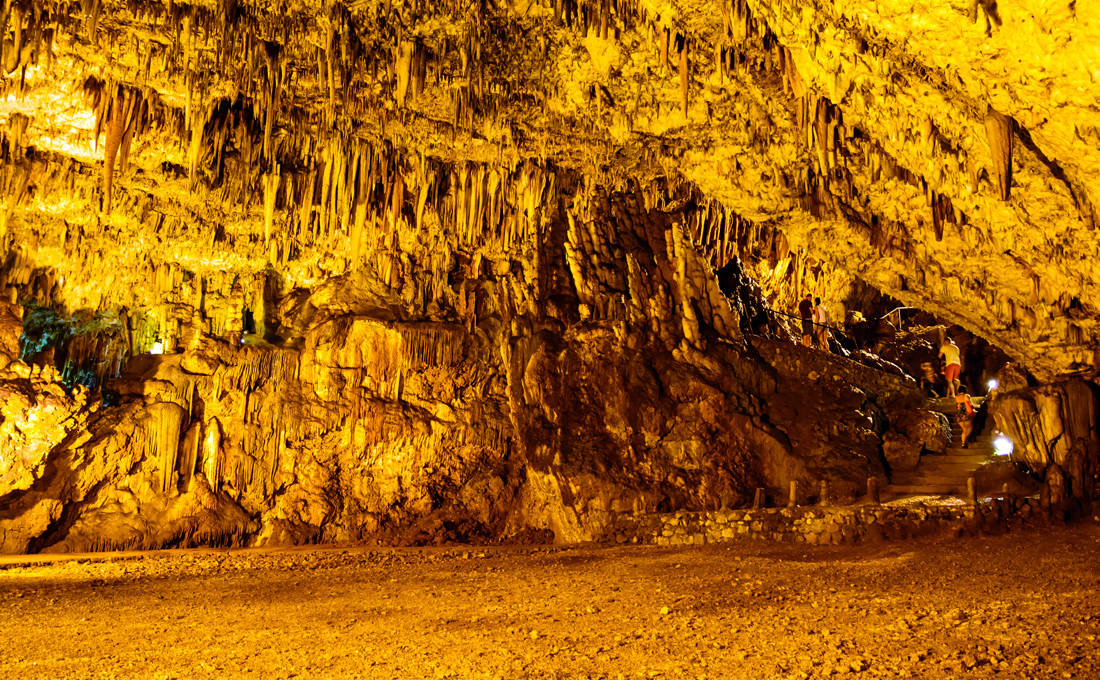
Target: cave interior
<point>420,271</point>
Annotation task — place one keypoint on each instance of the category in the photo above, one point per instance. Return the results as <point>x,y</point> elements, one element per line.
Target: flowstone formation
<point>537,394</point>
<point>429,270</point>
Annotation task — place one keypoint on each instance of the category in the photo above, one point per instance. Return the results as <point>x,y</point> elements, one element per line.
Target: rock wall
<point>603,373</point>
<point>832,526</point>
<point>1053,429</point>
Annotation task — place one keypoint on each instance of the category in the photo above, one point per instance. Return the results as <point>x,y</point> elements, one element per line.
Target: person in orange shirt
<point>964,414</point>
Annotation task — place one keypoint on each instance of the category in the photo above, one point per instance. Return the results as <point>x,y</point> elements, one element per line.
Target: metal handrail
<point>814,323</point>
<point>843,334</point>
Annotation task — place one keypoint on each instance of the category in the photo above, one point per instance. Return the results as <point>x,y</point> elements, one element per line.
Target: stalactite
<point>271,193</point>
<point>13,52</point>
<point>684,76</point>
<point>410,64</point>
<point>666,38</point>
<point>999,130</point>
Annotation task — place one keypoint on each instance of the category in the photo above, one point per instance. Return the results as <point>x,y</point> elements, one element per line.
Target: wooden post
<point>872,490</point>
<point>758,501</point>
<point>971,490</point>
<point>823,492</point>
<point>792,496</point>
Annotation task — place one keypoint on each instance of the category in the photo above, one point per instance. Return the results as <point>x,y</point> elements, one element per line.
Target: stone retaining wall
<point>799,362</point>
<point>827,525</point>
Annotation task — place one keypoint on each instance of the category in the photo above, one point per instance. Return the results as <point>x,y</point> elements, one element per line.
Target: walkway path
<point>1014,606</point>
<point>946,474</point>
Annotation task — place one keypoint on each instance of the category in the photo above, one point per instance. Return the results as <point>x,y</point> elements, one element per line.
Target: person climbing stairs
<point>948,473</point>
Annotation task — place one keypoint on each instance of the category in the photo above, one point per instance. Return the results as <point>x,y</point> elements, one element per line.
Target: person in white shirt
<point>952,363</point>
<point>821,317</point>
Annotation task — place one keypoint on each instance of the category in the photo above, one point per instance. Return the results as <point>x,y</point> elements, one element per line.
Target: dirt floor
<point>1018,606</point>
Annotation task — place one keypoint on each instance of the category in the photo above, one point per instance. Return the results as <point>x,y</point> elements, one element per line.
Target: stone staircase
<point>946,474</point>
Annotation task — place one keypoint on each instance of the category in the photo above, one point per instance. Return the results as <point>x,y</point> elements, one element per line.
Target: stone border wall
<point>801,363</point>
<point>827,525</point>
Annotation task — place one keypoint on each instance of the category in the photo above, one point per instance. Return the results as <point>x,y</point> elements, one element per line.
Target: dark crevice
<point>1080,197</point>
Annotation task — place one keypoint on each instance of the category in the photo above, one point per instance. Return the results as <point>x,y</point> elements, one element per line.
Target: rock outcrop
<point>541,394</point>
<point>1053,429</point>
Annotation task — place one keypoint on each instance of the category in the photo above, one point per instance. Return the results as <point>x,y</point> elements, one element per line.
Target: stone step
<point>954,481</point>
<point>963,470</point>
<point>977,457</point>
<point>926,489</point>
<point>975,450</point>
<point>955,430</point>
<point>971,447</point>
<point>945,468</point>
<point>982,438</point>
<point>985,451</point>
<point>960,473</point>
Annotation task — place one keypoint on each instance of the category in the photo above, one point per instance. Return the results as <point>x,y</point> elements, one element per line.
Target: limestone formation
<point>1054,431</point>
<point>914,432</point>
<point>421,271</point>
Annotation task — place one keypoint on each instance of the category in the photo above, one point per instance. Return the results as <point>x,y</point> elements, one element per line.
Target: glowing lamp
<point>992,385</point>
<point>1002,446</point>
<point>158,348</point>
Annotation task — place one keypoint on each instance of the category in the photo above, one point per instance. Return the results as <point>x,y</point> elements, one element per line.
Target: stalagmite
<point>189,454</point>
<point>162,427</point>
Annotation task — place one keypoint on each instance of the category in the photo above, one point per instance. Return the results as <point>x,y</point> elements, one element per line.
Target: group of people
<point>814,322</point>
<point>964,406</point>
<point>815,332</point>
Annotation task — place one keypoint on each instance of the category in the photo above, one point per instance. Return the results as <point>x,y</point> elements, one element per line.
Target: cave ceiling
<point>946,153</point>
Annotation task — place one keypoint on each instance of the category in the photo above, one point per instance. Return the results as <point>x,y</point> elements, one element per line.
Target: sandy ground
<point>1018,606</point>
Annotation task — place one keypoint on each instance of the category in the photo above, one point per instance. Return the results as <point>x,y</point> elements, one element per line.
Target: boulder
<point>913,432</point>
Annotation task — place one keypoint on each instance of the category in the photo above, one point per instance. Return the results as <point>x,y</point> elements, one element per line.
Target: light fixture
<point>157,348</point>
<point>992,385</point>
<point>1002,445</point>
